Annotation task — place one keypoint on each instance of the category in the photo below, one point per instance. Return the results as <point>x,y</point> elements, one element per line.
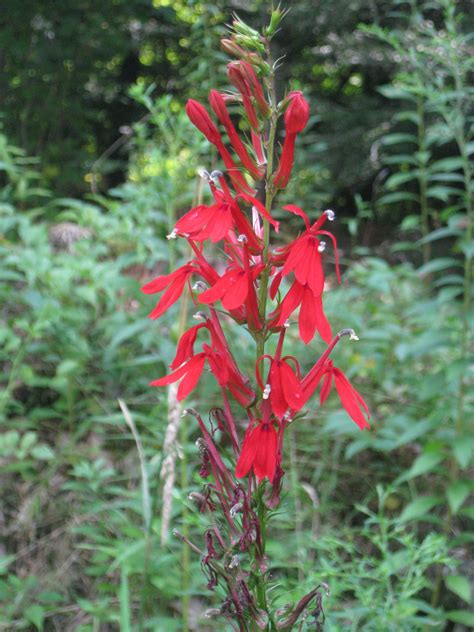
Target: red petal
<point>236,293</point>
<point>292,208</point>
<point>307,317</point>
<point>185,346</point>
<point>171,295</point>
<point>325,388</point>
<point>291,387</point>
<point>322,323</point>
<point>350,399</point>
<point>264,464</point>
<point>189,382</point>
<point>247,455</point>
<point>277,399</point>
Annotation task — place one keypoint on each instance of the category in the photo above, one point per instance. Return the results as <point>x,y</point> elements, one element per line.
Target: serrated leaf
<point>456,494</point>
<point>460,586</point>
<point>424,463</point>
<point>419,508</point>
<point>462,450</point>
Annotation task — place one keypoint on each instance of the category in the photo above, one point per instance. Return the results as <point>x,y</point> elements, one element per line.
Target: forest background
<point>97,160</point>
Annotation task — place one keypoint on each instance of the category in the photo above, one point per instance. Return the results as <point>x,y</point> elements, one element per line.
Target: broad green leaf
<point>460,586</point>
<point>35,615</point>
<point>440,233</point>
<point>456,494</point>
<point>419,508</point>
<point>424,463</point>
<point>401,178</point>
<point>438,264</point>
<point>462,450</point>
<point>395,138</point>
<point>398,196</point>
<point>464,617</point>
<point>447,164</point>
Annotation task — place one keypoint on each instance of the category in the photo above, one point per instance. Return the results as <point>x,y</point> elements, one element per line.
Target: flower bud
<point>233,49</point>
<point>199,117</point>
<point>297,113</point>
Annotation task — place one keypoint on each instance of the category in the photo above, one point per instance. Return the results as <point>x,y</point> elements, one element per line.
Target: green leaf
<point>124,598</point>
<point>440,233</point>
<point>419,508</point>
<point>398,196</point>
<point>424,463</point>
<point>456,494</point>
<point>461,616</point>
<point>394,139</point>
<point>438,264</point>
<point>462,450</point>
<point>447,164</point>
<point>460,586</point>
<point>401,178</point>
<point>35,615</point>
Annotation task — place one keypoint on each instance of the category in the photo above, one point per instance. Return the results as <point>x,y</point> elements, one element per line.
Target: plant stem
<point>423,178</point>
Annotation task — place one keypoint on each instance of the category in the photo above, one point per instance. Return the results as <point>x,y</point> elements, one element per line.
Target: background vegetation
<point>95,92</point>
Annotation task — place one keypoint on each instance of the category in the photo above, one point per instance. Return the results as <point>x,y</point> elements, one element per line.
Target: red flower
<point>350,398</point>
<point>232,288</point>
<point>214,222</point>
<point>303,256</point>
<point>283,381</point>
<point>259,451</point>
<point>311,316</point>
<point>175,283</point>
<point>296,118</point>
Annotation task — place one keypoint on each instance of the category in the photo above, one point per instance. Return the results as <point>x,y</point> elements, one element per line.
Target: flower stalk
<point>253,294</point>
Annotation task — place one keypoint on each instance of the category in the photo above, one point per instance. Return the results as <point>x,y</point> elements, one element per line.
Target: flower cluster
<point>262,288</point>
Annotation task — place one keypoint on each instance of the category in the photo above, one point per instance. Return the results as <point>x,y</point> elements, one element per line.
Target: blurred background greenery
<point>96,161</point>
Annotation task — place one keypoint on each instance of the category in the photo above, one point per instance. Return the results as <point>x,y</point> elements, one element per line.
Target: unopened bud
<point>331,215</point>
<point>231,48</point>
<point>322,246</point>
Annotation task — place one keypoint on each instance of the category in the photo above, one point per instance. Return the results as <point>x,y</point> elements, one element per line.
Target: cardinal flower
<point>221,367</point>
<point>283,386</point>
<point>352,401</point>
<point>215,221</point>
<point>175,283</point>
<point>303,255</point>
<point>232,288</point>
<point>259,451</point>
<point>311,315</point>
